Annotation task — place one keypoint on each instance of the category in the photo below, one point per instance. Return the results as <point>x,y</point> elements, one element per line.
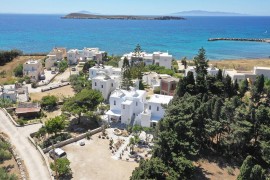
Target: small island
<point>119,17</point>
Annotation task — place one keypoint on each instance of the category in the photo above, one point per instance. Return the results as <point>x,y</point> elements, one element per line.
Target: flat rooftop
<point>32,61</point>
<point>262,68</point>
<point>161,99</point>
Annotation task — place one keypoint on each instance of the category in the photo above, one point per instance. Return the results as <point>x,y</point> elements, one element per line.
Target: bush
<point>4,155</point>
<point>27,80</point>
<point>54,139</point>
<point>21,122</point>
<point>62,65</point>
<point>8,56</point>
<point>6,176</point>
<point>49,102</point>
<point>63,167</point>
<point>34,85</point>
<point>18,71</point>
<point>157,90</point>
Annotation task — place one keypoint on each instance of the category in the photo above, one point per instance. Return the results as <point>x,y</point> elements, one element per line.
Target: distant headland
<point>119,17</point>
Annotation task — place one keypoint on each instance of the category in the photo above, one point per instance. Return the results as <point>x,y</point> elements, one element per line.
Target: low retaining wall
<point>71,140</point>
<point>10,117</point>
<point>44,158</point>
<point>55,86</point>
<point>18,160</point>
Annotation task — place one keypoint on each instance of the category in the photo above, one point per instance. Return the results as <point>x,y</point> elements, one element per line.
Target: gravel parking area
<point>94,161</point>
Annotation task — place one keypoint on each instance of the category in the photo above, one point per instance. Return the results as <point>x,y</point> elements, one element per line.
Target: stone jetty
<point>239,39</point>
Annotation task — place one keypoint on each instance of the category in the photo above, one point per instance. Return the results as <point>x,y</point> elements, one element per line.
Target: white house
<point>156,58</point>
<point>211,70</point>
<point>106,79</point>
<point>239,75</point>
<point>33,69</point>
<point>126,105</point>
<point>108,70</point>
<point>57,54</point>
<point>15,92</point>
<point>75,55</point>
<point>262,71</point>
<point>153,111</point>
<point>105,84</point>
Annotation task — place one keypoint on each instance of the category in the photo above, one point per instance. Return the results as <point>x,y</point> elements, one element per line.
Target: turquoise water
<point>40,33</point>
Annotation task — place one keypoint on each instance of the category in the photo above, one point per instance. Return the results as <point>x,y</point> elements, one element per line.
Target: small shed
<point>28,110</point>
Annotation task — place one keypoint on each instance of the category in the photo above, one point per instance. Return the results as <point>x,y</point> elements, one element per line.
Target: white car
<point>57,153</point>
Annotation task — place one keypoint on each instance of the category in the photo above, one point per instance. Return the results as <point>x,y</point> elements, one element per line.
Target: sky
<point>133,7</point>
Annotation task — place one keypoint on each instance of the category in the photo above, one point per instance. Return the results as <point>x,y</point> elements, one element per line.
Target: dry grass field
<point>66,91</point>
<point>9,67</point>
<point>241,64</point>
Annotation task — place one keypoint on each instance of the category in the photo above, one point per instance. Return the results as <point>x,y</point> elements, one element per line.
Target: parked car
<point>73,69</point>
<point>57,153</point>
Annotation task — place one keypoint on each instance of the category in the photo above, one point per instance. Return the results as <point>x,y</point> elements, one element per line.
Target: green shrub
<point>18,71</point>
<point>34,85</point>
<point>7,176</point>
<point>21,122</point>
<point>157,90</point>
<point>4,155</point>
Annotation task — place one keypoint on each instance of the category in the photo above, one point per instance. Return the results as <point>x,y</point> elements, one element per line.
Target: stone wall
<point>71,140</point>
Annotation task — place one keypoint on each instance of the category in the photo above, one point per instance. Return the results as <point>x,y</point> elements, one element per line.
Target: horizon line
<point>240,15</point>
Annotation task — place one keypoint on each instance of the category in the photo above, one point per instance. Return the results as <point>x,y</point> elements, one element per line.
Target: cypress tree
<point>126,75</point>
<point>201,62</point>
<point>243,87</point>
<point>219,75</point>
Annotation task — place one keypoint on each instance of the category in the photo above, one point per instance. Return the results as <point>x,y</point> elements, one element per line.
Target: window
<point>124,107</point>
<point>158,108</point>
<point>92,72</point>
<point>149,107</point>
<point>101,86</point>
<point>136,103</point>
<point>114,102</point>
<point>112,84</point>
<point>95,83</point>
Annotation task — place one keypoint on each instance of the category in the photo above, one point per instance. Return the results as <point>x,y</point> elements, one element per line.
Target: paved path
<point>18,136</point>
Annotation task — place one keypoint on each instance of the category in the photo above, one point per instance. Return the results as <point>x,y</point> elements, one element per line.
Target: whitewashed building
<point>262,71</point>
<point>131,107</point>
<point>33,69</point>
<point>126,105</point>
<point>239,75</point>
<point>74,56</point>
<point>105,84</point>
<point>15,92</point>
<point>106,79</point>
<point>153,111</point>
<point>108,70</point>
<point>57,54</point>
<point>211,70</point>
<point>156,58</point>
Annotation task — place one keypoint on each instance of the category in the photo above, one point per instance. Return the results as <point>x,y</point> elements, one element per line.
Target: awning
<point>113,113</point>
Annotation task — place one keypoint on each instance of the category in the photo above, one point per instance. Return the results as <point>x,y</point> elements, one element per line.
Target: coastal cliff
<point>119,17</point>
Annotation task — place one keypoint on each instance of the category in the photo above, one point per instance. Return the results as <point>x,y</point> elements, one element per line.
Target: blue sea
<point>40,33</point>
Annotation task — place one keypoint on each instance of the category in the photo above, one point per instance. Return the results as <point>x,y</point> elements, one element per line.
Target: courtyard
<point>94,161</point>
